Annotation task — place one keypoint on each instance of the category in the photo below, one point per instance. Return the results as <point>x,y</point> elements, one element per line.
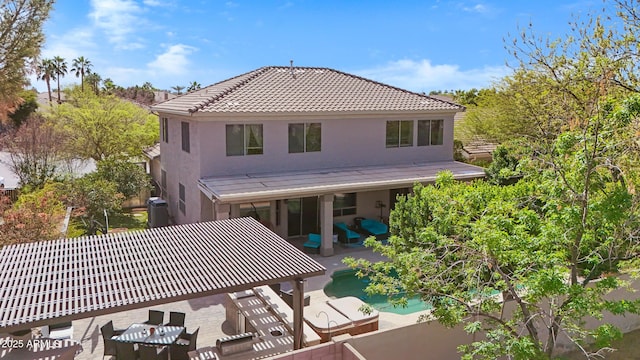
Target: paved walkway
<point>208,313</point>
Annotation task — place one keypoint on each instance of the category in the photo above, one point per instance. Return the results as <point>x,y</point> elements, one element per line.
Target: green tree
<point>46,71</point>
<point>94,79</point>
<point>60,67</point>
<point>20,41</point>
<point>26,108</point>
<point>194,86</point>
<point>92,196</point>
<point>35,216</point>
<point>99,127</point>
<point>130,178</point>
<point>35,150</point>
<point>552,242</point>
<point>178,89</point>
<point>81,66</point>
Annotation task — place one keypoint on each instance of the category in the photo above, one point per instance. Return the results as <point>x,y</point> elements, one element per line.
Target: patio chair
<point>185,343</point>
<point>126,351</point>
<point>155,317</point>
<point>150,352</point>
<point>313,243</point>
<point>373,227</point>
<point>176,319</point>
<point>108,333</point>
<point>345,234</point>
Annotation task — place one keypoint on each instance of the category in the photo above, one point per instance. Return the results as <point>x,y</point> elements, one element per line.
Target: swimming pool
<point>346,283</point>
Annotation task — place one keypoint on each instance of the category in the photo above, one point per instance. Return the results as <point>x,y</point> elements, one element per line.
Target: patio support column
<point>283,229</point>
<point>298,313</point>
<point>326,225</point>
<point>222,211</point>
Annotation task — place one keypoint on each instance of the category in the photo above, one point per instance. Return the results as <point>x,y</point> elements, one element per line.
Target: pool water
<point>346,283</point>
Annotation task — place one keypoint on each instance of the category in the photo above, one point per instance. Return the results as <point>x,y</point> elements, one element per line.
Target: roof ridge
<point>229,90</point>
<point>395,87</point>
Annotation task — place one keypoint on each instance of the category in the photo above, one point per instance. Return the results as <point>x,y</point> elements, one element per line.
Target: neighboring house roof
<point>278,185</point>
<point>279,89</point>
<point>152,152</point>
<point>67,279</point>
<point>478,150</point>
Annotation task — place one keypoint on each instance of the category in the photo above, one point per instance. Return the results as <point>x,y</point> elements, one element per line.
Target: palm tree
<point>47,72</point>
<point>94,80</point>
<point>61,69</point>
<point>80,67</point>
<point>178,89</point>
<point>147,86</point>
<point>193,86</point>
<point>108,85</point>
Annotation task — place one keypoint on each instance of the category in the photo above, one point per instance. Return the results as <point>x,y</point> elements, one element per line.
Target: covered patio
<point>226,193</point>
<point>63,280</point>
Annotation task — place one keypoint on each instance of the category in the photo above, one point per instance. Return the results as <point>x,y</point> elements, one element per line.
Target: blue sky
<point>416,45</point>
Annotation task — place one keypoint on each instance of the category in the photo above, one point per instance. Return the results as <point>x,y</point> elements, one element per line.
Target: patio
<point>93,278</point>
<point>208,313</point>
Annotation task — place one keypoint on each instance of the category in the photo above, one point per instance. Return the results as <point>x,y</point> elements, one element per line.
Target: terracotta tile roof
<point>276,89</point>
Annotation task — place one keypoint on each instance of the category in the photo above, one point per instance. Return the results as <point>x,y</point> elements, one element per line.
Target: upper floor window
<point>244,139</point>
<point>181,199</point>
<point>399,133</point>
<point>164,129</point>
<point>186,146</point>
<point>430,132</point>
<point>305,137</point>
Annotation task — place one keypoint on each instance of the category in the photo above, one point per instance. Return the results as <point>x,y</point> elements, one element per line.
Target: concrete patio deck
<point>208,313</point>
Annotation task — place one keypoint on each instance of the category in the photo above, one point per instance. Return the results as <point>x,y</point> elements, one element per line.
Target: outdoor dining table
<point>141,334</point>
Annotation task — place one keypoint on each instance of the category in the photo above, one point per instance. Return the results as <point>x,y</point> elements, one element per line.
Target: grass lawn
<point>129,220</point>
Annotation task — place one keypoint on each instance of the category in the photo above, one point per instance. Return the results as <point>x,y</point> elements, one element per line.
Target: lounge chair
<point>345,234</point>
<point>373,227</point>
<point>313,243</point>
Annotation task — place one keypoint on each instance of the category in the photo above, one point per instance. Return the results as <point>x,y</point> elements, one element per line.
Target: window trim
<point>400,143</point>
<point>182,203</point>
<point>164,129</point>
<point>186,137</point>
<point>345,210</point>
<point>428,139</point>
<point>245,139</point>
<point>306,126</point>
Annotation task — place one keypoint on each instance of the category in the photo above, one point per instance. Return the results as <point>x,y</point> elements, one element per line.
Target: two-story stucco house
<point>301,147</point>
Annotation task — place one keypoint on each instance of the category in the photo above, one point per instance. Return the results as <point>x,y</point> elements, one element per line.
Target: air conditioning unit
<point>157,212</point>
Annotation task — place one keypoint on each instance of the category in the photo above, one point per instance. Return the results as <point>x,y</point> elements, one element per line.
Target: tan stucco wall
<point>357,140</point>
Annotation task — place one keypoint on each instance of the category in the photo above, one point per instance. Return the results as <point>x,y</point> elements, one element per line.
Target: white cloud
<point>422,76</point>
<point>173,61</point>
<point>153,3</point>
<point>118,19</point>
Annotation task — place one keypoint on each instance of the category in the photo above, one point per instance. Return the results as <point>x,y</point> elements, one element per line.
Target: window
<point>260,211</point>
<point>305,137</point>
<point>430,132</point>
<point>181,202</point>
<point>344,204</point>
<point>163,182</point>
<point>244,139</point>
<point>399,133</point>
<point>164,129</point>
<point>186,146</point>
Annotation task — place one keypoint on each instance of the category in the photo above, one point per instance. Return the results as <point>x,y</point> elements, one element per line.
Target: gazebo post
<point>298,312</point>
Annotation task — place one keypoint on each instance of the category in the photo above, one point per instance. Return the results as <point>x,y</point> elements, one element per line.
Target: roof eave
<point>327,189</point>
